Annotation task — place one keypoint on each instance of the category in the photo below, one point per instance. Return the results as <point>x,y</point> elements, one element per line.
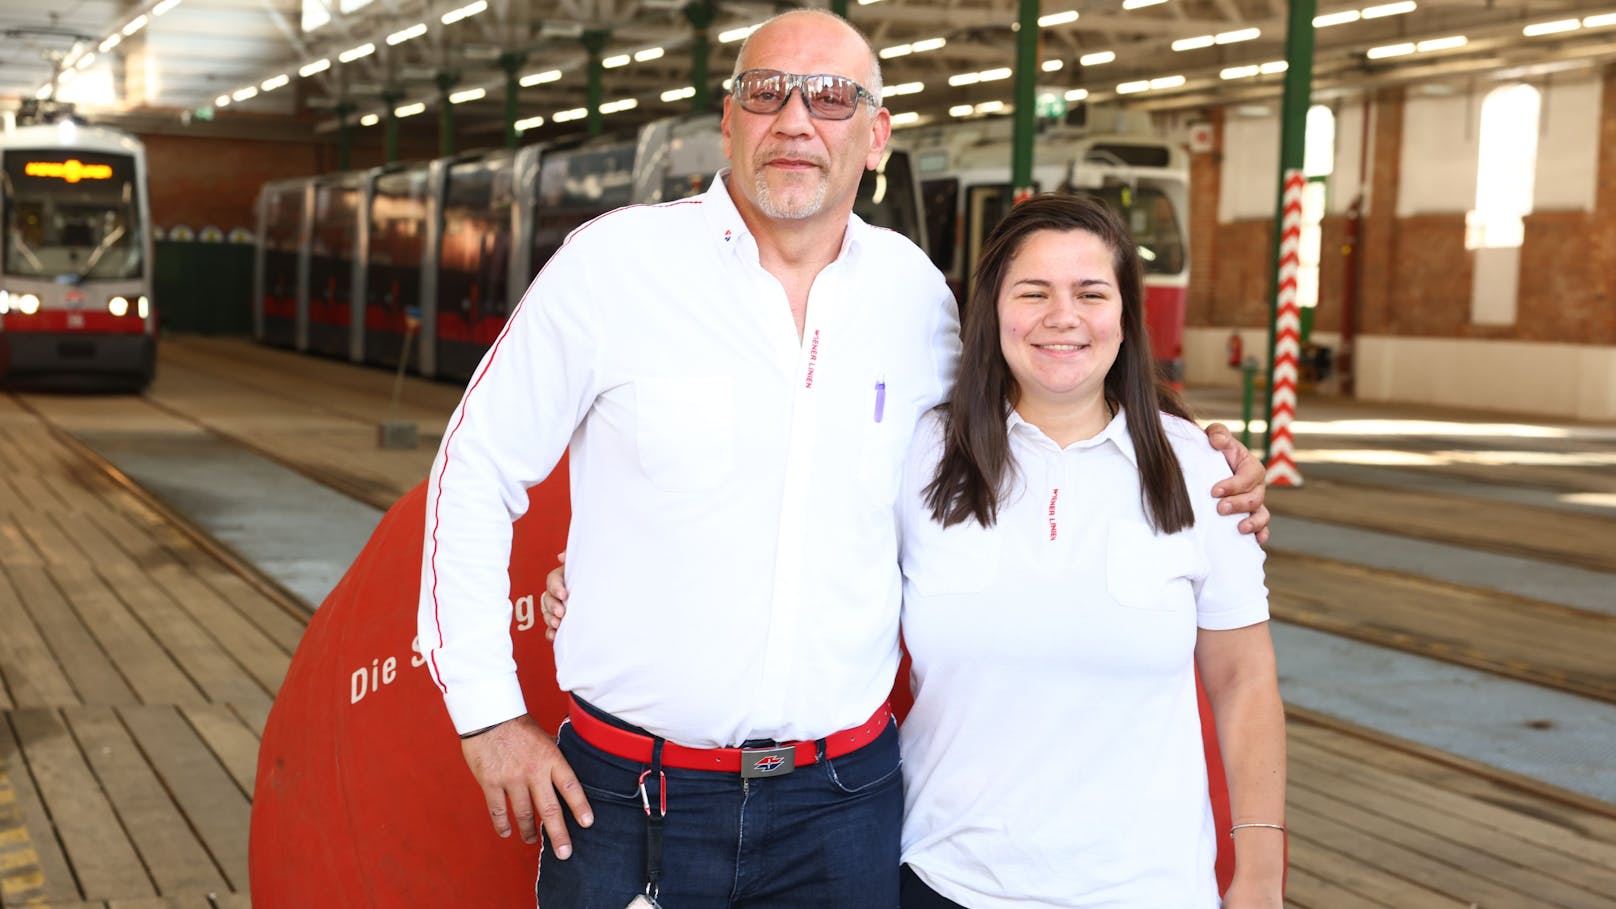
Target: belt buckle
<point>764,762</point>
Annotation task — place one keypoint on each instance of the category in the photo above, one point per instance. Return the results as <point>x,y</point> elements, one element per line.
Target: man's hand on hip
<point>1242,492</point>
<point>522,772</point>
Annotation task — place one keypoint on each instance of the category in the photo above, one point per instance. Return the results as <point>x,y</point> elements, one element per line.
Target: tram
<point>76,302</point>
<point>333,266</point>
<point>426,261</point>
<point>279,271</point>
<point>964,173</point>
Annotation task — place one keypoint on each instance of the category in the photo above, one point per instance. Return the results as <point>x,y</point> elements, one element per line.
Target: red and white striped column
<point>1287,341</point>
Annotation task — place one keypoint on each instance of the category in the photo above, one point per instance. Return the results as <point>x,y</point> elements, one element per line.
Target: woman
<point>1061,587</point>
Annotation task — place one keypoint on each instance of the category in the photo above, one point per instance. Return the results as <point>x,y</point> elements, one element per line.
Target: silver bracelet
<point>1279,827</point>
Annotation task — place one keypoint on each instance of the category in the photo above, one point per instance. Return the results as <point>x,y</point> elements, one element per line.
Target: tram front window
<point>886,196</point>
<point>1153,222</point>
<point>71,214</point>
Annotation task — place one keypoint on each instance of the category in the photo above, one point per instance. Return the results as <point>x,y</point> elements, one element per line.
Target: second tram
<point>965,185</point>
<point>434,255</point>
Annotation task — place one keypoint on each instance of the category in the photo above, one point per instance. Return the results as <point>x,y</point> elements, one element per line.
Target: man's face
<point>790,165</point>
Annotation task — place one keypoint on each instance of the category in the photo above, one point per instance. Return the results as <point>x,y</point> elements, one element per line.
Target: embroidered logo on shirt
<point>1053,530</point>
<point>726,236</point>
<point>813,358</point>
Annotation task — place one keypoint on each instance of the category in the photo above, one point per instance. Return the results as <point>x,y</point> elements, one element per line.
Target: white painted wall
<point>1560,380</point>
<point>1250,172</point>
<point>1567,146</point>
<point>1439,155</point>
<point>1574,381</point>
<point>1495,285</point>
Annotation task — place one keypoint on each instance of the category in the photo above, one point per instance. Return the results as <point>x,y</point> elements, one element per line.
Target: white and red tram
<point>76,300</point>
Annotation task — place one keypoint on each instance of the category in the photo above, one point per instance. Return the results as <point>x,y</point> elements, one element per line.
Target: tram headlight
<point>143,307</point>
<point>5,302</point>
<point>28,304</point>
<point>118,306</point>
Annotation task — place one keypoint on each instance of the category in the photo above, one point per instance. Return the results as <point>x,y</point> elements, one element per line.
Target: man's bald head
<point>871,81</point>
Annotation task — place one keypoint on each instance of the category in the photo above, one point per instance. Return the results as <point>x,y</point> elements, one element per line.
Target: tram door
<point>985,206</point>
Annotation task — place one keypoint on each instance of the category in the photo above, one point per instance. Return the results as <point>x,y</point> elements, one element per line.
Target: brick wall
<point>199,181</point>
<point>1415,272</point>
<point>1243,279</point>
<point>1563,297</point>
<point>1380,219</point>
<point>1205,190</point>
<point>1601,292</point>
<point>1332,273</point>
<point>1428,280</point>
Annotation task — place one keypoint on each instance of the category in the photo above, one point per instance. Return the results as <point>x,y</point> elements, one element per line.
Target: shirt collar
<point>1115,434</point>
<point>730,229</point>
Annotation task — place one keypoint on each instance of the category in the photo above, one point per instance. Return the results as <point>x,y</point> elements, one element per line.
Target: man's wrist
<point>476,732</point>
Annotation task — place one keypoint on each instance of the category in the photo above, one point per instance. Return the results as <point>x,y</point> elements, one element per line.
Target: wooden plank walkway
<point>135,675</point>
<point>1557,535</point>
<point>1373,824</point>
<point>136,672</point>
<point>1526,639</point>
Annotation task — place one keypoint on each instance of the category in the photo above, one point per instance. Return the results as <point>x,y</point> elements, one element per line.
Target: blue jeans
<point>822,837</point>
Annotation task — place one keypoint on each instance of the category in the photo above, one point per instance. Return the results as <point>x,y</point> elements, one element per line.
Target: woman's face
<point>1060,318</point>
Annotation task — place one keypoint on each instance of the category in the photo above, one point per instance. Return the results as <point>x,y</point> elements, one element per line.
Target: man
<point>732,552</point>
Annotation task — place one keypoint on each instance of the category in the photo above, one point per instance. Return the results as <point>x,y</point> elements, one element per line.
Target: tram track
<point>1557,646</point>
<point>237,564</point>
<point>1451,622</point>
<point>1296,715</point>
<point>1294,578</point>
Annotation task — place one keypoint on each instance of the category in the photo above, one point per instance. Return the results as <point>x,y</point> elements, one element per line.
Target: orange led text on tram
<point>72,170</point>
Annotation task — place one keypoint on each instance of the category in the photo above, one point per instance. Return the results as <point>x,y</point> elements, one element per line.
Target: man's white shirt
<point>732,557</point>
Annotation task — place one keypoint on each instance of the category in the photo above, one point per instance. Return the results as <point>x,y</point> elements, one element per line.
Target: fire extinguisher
<point>1235,349</point>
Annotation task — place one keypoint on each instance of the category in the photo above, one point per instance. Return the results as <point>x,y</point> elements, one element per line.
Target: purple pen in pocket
<point>880,400</point>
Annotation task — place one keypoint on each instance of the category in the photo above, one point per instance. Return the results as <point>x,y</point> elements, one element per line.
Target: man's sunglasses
<point>828,97</point>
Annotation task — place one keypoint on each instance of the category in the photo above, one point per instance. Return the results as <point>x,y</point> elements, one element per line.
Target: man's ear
<point>880,135</point>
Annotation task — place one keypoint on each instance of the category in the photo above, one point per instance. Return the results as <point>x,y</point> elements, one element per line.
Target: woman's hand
<point>553,601</point>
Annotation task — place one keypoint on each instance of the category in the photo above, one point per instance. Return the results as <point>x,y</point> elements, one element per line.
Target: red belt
<point>775,760</point>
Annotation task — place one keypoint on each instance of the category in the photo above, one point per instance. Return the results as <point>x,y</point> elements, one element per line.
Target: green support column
<point>446,138</point>
<point>344,139</point>
<point>700,14</point>
<point>390,126</point>
<point>839,7</point>
<point>1026,101</point>
<point>1292,143</point>
<point>511,63</point>
<point>594,42</point>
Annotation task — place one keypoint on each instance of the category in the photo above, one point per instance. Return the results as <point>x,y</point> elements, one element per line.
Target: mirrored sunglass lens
<point>834,96</point>
<point>763,92</point>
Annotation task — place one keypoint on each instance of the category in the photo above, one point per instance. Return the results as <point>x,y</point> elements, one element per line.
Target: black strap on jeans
<point>653,821</point>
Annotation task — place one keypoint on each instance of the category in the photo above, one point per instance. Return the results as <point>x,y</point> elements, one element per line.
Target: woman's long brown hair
<point>976,461</point>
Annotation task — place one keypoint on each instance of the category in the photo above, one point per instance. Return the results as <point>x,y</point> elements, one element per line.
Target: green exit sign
<point>1050,103</point>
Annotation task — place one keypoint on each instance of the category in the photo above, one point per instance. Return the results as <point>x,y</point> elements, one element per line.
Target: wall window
<point>1318,162</point>
<point>318,12</point>
<point>315,14</point>
<point>1506,168</point>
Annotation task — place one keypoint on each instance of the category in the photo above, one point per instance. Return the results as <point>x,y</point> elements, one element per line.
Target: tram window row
<point>424,262</point>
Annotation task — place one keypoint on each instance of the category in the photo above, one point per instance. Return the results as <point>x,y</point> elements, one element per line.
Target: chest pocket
<point>1151,572</point>
<point>685,431</point>
<point>883,445</point>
